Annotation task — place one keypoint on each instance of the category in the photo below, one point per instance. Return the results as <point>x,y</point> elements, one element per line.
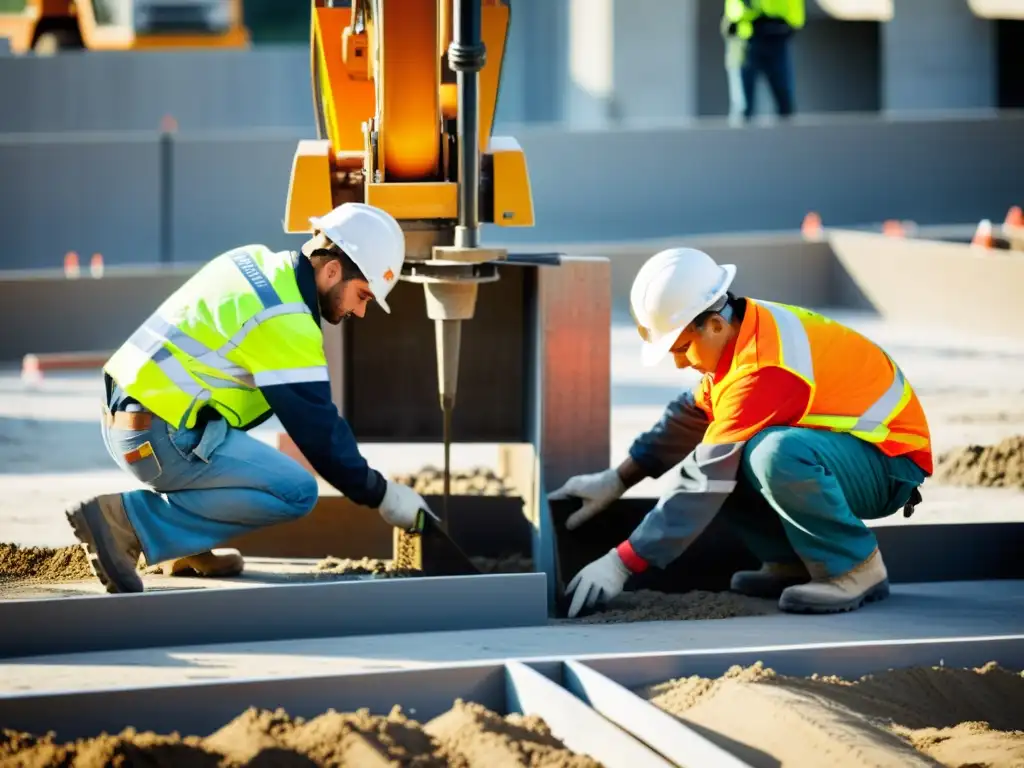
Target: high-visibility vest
<point>218,338</point>
<point>743,13</point>
<point>855,386</point>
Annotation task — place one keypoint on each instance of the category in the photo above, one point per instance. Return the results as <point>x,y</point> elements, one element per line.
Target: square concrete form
<point>242,614</point>
<point>201,708</point>
<point>606,683</point>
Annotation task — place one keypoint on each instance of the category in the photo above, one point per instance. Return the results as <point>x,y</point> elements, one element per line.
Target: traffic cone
<point>31,371</point>
<point>71,268</point>
<point>1014,218</point>
<point>983,235</point>
<point>96,265</point>
<point>893,228</point>
<point>811,228</point>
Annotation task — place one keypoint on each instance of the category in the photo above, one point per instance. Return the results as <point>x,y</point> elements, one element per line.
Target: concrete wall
<point>101,193</point>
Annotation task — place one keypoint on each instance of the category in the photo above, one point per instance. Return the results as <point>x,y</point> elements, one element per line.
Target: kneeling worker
<point>799,430</point>
<point>238,342</point>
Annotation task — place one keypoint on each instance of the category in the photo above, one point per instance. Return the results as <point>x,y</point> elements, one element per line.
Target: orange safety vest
<point>855,386</point>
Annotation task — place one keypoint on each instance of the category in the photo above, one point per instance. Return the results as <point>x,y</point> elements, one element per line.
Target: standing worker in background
<point>238,342</point>
<point>799,430</point>
<point>767,28</point>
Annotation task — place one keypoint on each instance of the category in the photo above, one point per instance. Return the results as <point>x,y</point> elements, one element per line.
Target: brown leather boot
<point>109,541</point>
<point>866,583</point>
<point>223,563</point>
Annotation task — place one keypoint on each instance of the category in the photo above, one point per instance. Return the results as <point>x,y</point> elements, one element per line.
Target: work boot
<point>111,546</point>
<point>866,583</point>
<point>770,580</point>
<point>228,562</point>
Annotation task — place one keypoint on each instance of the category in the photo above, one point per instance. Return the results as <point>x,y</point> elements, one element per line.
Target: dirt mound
<point>334,566</point>
<point>466,736</point>
<point>478,481</point>
<point>645,605</point>
<point>991,466</point>
<point>958,717</point>
<point>42,564</point>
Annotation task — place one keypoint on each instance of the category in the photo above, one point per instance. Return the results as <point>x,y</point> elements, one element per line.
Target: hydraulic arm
<point>405,94</point>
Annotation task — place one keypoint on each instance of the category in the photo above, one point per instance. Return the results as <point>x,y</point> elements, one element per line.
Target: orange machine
<point>48,26</point>
<point>405,94</point>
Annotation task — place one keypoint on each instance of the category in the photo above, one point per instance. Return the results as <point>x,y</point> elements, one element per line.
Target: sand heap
<point>994,466</point>
<point>478,481</point>
<point>646,605</point>
<point>466,736</point>
<point>27,564</point>
<point>906,717</point>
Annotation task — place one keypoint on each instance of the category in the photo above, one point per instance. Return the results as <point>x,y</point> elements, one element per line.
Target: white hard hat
<point>372,238</point>
<point>669,291</point>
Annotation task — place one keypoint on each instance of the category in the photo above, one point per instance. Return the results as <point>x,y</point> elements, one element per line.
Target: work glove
<point>401,505</point>
<point>598,582</point>
<point>597,491</point>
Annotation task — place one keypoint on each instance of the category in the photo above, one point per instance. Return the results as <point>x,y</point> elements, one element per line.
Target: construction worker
<point>799,430</point>
<point>767,28</point>
<point>239,341</point>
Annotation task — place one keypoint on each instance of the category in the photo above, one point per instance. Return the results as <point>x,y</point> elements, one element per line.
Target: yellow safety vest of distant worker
<point>743,13</point>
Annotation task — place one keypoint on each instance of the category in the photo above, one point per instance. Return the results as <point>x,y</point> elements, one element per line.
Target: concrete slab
<point>939,610</point>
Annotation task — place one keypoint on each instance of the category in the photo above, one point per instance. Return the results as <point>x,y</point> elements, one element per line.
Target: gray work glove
<point>400,506</point>
<point>597,490</point>
<point>598,582</point>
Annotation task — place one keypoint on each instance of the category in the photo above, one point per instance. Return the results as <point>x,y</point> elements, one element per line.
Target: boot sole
<point>98,556</point>
<point>795,605</point>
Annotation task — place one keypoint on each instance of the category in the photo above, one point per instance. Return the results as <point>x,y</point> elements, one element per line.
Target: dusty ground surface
<point>466,736</point>
<point>915,716</point>
<point>991,466</point>
<point>644,605</point>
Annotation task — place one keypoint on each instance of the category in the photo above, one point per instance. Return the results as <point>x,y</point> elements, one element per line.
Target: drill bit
<point>448,338</point>
<point>447,405</point>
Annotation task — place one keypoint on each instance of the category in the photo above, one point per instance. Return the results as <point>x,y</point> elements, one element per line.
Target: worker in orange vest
<point>799,430</point>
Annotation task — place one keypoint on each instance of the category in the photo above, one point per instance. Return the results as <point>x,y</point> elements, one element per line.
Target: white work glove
<point>401,505</point>
<point>600,581</point>
<point>597,491</point>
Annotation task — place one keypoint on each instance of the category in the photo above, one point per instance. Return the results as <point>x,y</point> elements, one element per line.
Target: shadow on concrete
<point>35,446</point>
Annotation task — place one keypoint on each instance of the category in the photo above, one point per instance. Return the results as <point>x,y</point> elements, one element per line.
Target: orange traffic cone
<point>811,228</point>
<point>893,228</point>
<point>1014,218</point>
<point>96,265</point>
<point>983,234</point>
<point>71,264</point>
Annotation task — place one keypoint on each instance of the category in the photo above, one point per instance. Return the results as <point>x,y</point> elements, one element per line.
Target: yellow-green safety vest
<point>236,325</point>
<point>743,13</point>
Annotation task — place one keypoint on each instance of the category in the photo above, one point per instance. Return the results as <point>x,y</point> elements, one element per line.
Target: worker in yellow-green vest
<point>767,27</point>
<point>238,342</point>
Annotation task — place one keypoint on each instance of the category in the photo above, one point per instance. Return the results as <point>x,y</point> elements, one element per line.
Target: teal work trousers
<point>804,493</point>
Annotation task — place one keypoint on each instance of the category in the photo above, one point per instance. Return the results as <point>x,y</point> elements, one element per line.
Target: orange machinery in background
<point>45,27</point>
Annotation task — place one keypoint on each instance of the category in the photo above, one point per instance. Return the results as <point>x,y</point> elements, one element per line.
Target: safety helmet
<point>669,291</point>
<point>372,238</point>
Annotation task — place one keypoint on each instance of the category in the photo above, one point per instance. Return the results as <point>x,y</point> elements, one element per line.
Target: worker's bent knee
<point>300,494</point>
<point>778,454</point>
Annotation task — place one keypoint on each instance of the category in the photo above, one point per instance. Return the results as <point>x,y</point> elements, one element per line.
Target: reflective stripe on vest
<point>872,424</point>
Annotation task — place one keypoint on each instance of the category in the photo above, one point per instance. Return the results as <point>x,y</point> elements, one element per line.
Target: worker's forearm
<point>707,477</point>
<point>325,439</point>
<point>630,473</point>
<point>679,430</point>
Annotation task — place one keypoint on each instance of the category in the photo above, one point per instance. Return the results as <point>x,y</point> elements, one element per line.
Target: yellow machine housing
<point>386,106</point>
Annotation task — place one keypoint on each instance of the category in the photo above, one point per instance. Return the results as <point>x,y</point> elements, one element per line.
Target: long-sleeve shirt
<point>310,417</point>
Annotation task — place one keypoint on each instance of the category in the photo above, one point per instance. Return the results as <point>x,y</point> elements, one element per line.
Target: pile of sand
<point>334,566</point>
<point>466,736</point>
<point>478,481</point>
<point>903,717</point>
<point>994,466</point>
<point>27,564</point>
<point>645,605</point>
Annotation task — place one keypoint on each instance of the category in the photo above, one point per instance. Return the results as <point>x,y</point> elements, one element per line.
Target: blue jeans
<point>805,492</point>
<point>768,55</point>
<point>208,485</point>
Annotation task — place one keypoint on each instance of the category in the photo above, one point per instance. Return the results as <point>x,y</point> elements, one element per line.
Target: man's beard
<point>329,302</point>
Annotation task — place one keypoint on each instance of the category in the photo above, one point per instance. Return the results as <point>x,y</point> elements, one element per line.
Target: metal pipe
<point>467,55</point>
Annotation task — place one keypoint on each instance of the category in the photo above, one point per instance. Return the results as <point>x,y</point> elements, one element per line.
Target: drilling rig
<point>405,93</point>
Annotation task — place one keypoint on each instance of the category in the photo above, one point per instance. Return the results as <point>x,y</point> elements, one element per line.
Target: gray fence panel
<point>231,191</point>
<point>125,90</point>
<point>88,195</point>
